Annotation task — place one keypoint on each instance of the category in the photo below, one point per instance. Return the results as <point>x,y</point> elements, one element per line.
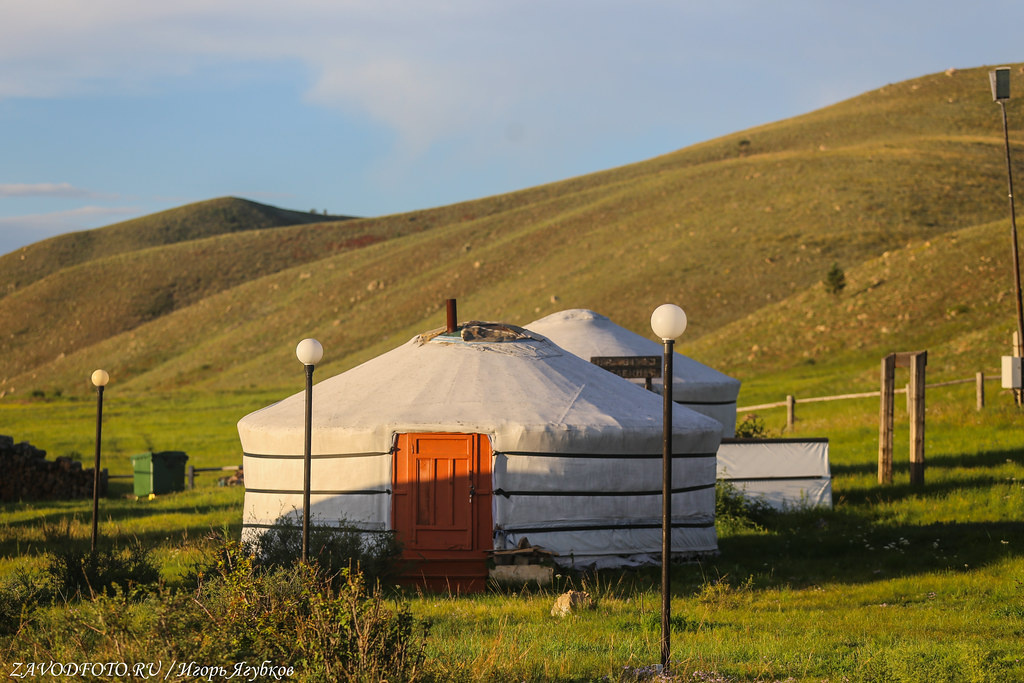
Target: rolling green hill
<point>24,266</point>
<point>903,187</point>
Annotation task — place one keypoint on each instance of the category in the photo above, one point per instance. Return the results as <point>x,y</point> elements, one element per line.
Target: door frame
<point>405,496</point>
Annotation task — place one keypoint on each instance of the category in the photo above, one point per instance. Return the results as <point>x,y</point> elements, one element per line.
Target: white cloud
<point>43,190</point>
<point>425,71</point>
<point>563,75</point>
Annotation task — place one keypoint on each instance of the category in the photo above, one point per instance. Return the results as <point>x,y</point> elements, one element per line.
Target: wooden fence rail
<point>790,403</point>
<point>191,474</point>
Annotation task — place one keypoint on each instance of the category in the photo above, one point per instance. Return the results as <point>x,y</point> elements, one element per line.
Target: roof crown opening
<point>477,331</point>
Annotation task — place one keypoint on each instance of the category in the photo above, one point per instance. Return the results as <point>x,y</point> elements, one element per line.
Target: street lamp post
<point>99,379</point>
<point>668,322</point>
<point>309,353</point>
<point>999,79</point>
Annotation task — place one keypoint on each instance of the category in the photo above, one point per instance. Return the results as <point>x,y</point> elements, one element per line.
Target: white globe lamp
<point>668,321</point>
<point>309,351</point>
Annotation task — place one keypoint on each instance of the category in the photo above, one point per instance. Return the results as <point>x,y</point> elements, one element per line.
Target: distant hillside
<point>903,187</point>
<point>193,221</point>
<point>951,295</point>
<point>100,298</point>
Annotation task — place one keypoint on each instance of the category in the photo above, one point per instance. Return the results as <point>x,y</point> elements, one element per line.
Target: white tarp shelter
<point>784,473</point>
<point>588,334</point>
<point>575,451</point>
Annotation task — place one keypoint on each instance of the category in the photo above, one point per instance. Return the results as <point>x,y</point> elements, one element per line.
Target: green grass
<point>176,526</point>
<point>201,425</point>
<point>896,583</point>
<point>934,626</point>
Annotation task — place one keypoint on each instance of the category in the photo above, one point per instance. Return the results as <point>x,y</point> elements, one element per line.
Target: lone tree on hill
<point>835,280</point>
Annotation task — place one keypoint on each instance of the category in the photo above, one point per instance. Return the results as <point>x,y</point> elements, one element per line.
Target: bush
<point>735,512</point>
<point>324,628</point>
<point>19,596</point>
<point>329,627</point>
<point>333,549</point>
<point>835,280</point>
<point>74,573</point>
<point>752,427</point>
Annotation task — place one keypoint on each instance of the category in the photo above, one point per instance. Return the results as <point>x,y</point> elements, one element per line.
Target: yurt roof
<point>521,389</point>
<point>588,334</point>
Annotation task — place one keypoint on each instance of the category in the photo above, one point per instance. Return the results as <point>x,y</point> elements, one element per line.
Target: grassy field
<point>195,313</point>
<point>896,583</point>
<point>202,425</point>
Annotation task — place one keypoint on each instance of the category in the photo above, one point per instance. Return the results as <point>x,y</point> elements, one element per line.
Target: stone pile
<point>571,602</point>
<point>28,475</point>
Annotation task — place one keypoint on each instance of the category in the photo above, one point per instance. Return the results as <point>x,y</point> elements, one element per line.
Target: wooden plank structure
<point>631,367</point>
<point>191,471</point>
<point>916,361</point>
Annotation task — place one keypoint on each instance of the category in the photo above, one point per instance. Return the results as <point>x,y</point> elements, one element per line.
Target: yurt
<point>588,334</point>
<point>481,439</point>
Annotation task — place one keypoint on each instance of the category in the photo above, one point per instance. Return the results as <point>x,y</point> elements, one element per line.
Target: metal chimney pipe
<point>453,318</point>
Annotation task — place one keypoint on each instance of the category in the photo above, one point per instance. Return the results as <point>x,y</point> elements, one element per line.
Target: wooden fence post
<point>790,412</point>
<point>885,419</point>
<point>918,361</point>
<point>979,390</point>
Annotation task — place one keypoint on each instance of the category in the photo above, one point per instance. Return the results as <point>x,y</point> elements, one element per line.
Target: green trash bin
<point>159,472</point>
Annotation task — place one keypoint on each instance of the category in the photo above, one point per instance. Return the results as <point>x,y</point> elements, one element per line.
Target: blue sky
<point>111,109</point>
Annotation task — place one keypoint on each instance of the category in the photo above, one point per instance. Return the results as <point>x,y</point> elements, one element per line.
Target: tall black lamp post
<point>999,79</point>
<point>668,322</point>
<point>309,353</point>
<point>99,379</point>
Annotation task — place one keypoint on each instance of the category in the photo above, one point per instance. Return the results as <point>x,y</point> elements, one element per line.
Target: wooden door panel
<point>443,506</point>
<point>441,499</point>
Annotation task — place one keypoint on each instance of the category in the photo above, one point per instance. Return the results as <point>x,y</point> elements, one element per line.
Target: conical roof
<point>527,393</point>
<point>587,334</point>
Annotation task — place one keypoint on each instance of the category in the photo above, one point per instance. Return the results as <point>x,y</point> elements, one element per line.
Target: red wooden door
<point>441,507</point>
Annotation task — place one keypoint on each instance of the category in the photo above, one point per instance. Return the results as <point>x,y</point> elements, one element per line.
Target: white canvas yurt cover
<point>574,451</point>
<point>588,334</point>
<point>783,473</point>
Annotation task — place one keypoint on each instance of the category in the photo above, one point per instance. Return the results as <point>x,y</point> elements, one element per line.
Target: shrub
<point>114,627</point>
<point>74,573</point>
<point>333,548</point>
<point>752,427</point>
<point>736,512</point>
<point>19,596</point>
<point>835,280</point>
<point>324,628</point>
<point>327,627</point>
